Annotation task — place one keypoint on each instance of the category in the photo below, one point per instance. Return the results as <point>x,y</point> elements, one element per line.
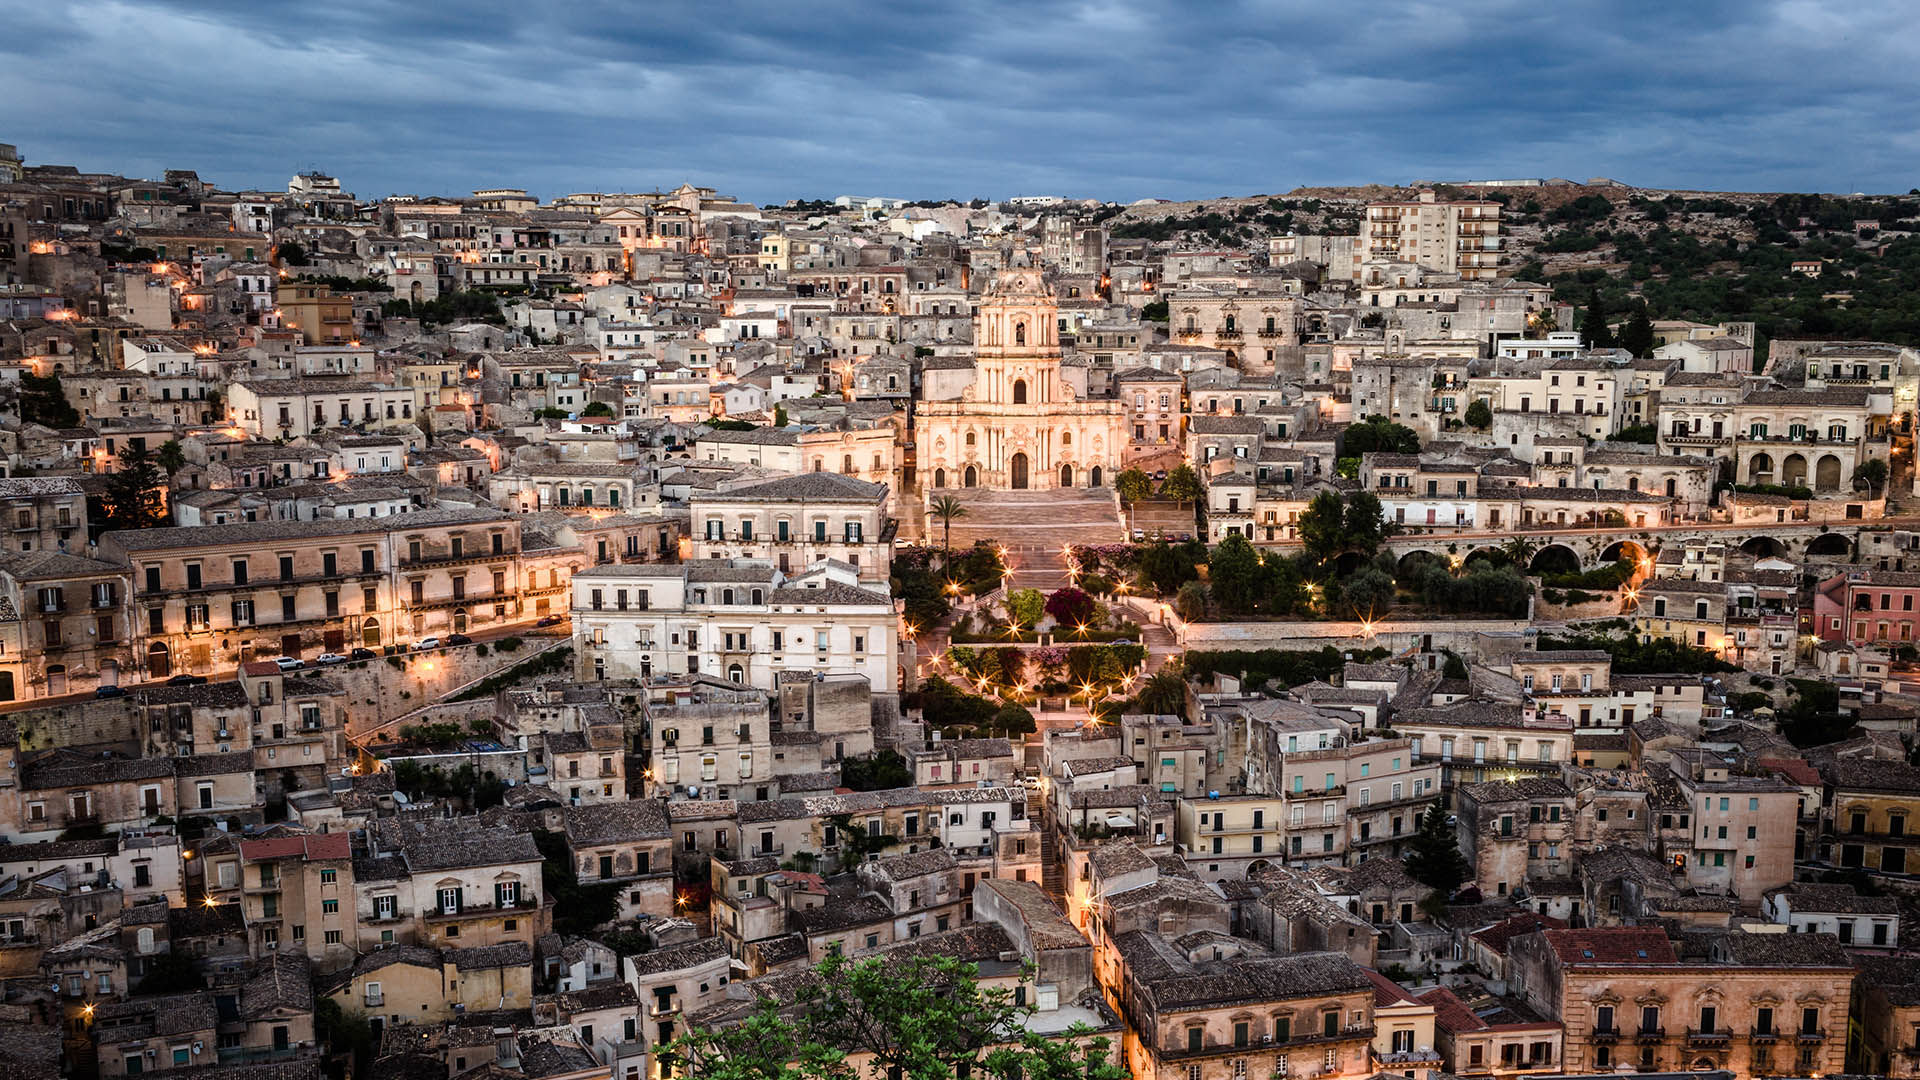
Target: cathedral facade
<point>1025,421</point>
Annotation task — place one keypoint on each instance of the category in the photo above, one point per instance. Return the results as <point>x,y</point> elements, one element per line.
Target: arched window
<point>1019,391</point>
<point>735,673</point>
<point>1066,438</point>
<point>1019,333</point>
<point>759,596</point>
<point>726,596</point>
<point>970,438</point>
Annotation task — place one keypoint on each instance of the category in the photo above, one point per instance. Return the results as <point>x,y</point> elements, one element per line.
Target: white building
<point>738,619</point>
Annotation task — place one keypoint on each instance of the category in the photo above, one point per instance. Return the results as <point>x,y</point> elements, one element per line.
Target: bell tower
<point>1017,341</point>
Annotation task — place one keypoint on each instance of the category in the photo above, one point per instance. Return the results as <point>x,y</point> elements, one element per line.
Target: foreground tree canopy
<point>918,1018</point>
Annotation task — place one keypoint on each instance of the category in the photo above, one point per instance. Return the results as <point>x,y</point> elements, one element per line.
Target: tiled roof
<point>1611,945</point>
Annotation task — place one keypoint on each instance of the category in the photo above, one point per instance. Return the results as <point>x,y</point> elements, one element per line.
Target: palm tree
<point>946,508</point>
<point>1519,551</point>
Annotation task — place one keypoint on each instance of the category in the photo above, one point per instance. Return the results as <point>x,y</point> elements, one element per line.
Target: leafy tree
<point>1369,593</point>
<point>44,401</point>
<point>1070,606</point>
<point>946,508</point>
<point>1134,485</point>
<point>1182,483</point>
<point>597,408</point>
<point>1870,475</point>
<point>1323,526</point>
<point>1163,694</point>
<point>945,705</point>
<point>1377,434</point>
<point>170,457</point>
<point>1435,859</point>
<point>1013,721</point>
<point>343,1033</point>
<point>1479,415</point>
<point>132,497</point>
<point>1594,331</point>
<point>577,908</point>
<point>1026,606</point>
<point>856,843</point>
<point>917,1017</point>
<point>779,416</point>
<point>878,771</point>
<point>1637,336</point>
<point>291,254</point>
<point>1166,568</point>
<point>1154,312</point>
<point>1234,575</point>
<point>1191,601</point>
<point>1365,524</point>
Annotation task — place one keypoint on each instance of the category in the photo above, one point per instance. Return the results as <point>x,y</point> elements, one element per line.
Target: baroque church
<point>1025,421</point>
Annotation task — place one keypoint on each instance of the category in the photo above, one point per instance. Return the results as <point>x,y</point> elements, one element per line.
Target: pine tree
<point>1594,331</point>
<point>132,498</point>
<point>1436,860</point>
<point>1637,336</point>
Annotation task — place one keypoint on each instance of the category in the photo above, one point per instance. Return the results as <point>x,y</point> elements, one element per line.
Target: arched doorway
<point>1017,471</point>
<point>1554,559</point>
<point>370,632</point>
<point>1826,475</point>
<point>736,673</point>
<point>1093,476</point>
<point>1066,476</point>
<point>1764,547</point>
<point>939,478</point>
<point>459,620</point>
<point>1793,470</point>
<point>1019,391</point>
<point>159,661</point>
<point>1832,543</point>
<point>56,680</point>
<point>1760,469</point>
<point>970,478</point>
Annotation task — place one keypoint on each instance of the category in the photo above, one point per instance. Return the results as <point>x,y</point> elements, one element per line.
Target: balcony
<point>479,911</point>
<point>1696,1037</point>
<point>1227,335</point>
<point>1763,1037</point>
<point>761,851</point>
<point>1605,1035</point>
<point>1651,1035</point>
<point>1810,1038</point>
<point>1270,332</point>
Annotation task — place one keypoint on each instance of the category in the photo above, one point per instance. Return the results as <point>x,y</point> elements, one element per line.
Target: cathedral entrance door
<point>1017,470</point>
<point>969,478</point>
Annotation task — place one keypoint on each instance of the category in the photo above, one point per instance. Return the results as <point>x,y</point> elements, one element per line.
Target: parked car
<point>110,691</point>
<point>184,679</point>
<point>459,639</point>
<point>549,620</point>
<point>288,663</point>
<point>428,643</point>
<point>329,658</point>
<point>363,654</point>
<point>1139,535</point>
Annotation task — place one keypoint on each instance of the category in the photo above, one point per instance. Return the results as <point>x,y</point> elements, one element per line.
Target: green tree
<point>1191,601</point>
<point>597,408</point>
<point>1594,331</point>
<point>1234,575</point>
<point>1166,568</point>
<point>1369,594</point>
<point>343,1033</point>
<point>291,253</point>
<point>1154,312</point>
<point>1323,527</point>
<point>44,401</point>
<point>1637,335</point>
<point>1365,524</point>
<point>1377,434</point>
<point>1435,859</point>
<point>1013,721</point>
<point>1870,475</point>
<point>879,771</point>
<point>132,499</point>
<point>916,1017</point>
<point>945,508</point>
<point>1164,693</point>
<point>856,843</point>
<point>1479,415</point>
<point>1182,483</point>
<point>779,416</point>
<point>171,457</point>
<point>1134,485</point>
<point>1026,606</point>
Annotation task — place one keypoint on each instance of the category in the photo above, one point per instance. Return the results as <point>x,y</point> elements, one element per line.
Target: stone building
<point>1025,421</point>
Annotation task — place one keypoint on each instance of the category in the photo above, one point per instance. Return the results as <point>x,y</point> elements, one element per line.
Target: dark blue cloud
<point>1110,98</point>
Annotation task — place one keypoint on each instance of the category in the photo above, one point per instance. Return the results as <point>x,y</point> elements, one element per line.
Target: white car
<point>288,663</point>
<point>428,643</point>
<point>329,658</point>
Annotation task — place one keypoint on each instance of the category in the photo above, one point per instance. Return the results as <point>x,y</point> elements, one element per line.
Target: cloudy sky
<point>1114,99</point>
